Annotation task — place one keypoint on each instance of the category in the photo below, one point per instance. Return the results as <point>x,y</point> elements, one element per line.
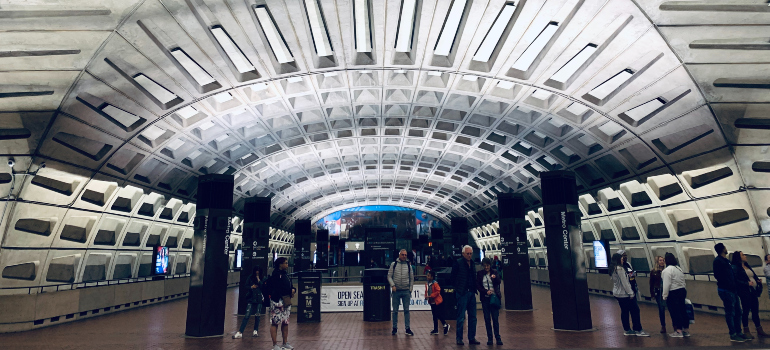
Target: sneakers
<point>686,334</point>
<point>473,342</point>
<point>287,346</point>
<point>237,335</point>
<point>737,338</point>
<point>676,335</point>
<point>394,331</point>
<point>446,329</point>
<point>642,333</point>
<point>409,332</point>
<point>276,347</point>
<point>255,334</point>
<point>434,332</point>
<point>663,330</point>
<point>629,332</point>
<point>499,342</point>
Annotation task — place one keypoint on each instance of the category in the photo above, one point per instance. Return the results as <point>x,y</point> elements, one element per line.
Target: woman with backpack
<point>433,295</point>
<point>674,293</point>
<point>488,285</point>
<point>255,300</point>
<point>624,294</point>
<point>749,290</point>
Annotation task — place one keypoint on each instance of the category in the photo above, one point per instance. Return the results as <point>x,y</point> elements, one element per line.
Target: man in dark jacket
<point>727,289</point>
<point>464,278</point>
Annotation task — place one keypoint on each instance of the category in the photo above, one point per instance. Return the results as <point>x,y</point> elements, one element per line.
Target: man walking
<point>464,273</point>
<point>727,289</point>
<point>401,280</point>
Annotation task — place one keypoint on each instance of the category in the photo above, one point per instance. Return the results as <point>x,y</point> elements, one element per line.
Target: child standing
<point>433,294</point>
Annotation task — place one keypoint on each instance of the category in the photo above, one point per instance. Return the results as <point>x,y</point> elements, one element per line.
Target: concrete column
<point>256,238</point>
<point>513,238</point>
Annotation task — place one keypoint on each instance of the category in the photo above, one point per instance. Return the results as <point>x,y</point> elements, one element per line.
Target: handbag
<point>494,301</point>
<point>286,300</point>
<point>690,310</point>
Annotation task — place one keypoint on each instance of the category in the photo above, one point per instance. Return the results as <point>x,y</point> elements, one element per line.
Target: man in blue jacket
<point>727,290</point>
<point>464,273</point>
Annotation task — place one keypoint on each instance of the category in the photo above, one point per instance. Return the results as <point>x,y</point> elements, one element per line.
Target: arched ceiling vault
<point>434,105</point>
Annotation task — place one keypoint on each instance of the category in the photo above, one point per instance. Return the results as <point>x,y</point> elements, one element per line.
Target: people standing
<point>749,289</point>
<point>401,279</point>
<point>656,287</point>
<point>281,292</point>
<point>727,290</point>
<point>675,293</point>
<point>464,273</point>
<point>488,285</point>
<point>255,301</point>
<point>630,272</point>
<point>624,293</point>
<point>433,295</point>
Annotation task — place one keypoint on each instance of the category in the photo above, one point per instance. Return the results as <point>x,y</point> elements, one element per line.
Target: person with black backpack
<point>401,279</point>
<point>255,299</point>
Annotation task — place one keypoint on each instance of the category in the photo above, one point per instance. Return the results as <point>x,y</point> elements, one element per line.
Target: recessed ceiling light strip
<point>202,80</point>
<point>43,11</point>
<point>575,66</point>
<point>605,91</point>
<point>716,6</point>
<point>450,29</point>
<point>526,64</point>
<point>406,26</point>
<point>495,34</point>
<point>638,115</point>
<point>239,64</point>
<point>158,94</point>
<point>318,30</point>
<point>123,119</point>
<point>274,37</point>
<point>362,26</point>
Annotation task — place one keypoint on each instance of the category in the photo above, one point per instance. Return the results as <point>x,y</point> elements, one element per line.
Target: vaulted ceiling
<point>324,104</point>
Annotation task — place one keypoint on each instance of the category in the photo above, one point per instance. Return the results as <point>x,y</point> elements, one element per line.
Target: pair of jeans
<point>732,311</point>
<point>438,315</point>
<point>750,303</point>
<point>251,309</point>
<point>661,307</point>
<point>628,306</point>
<point>466,302</point>
<point>491,315</point>
<point>677,308</point>
<point>400,297</point>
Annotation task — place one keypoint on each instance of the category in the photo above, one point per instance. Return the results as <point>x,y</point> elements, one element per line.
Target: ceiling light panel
<point>605,91</point>
<point>572,69</point>
<point>273,35</point>
<point>487,52</point>
<point>445,48</point>
<point>192,70</point>
<point>362,26</point>
<point>240,65</point>
<point>158,94</point>
<point>406,22</point>
<point>526,64</point>
<point>319,32</point>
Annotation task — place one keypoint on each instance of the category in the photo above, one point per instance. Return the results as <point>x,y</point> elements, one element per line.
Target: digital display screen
<point>160,256</point>
<point>351,223</point>
<point>600,255</point>
<point>238,258</point>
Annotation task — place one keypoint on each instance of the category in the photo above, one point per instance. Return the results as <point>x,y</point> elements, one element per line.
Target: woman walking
<point>488,285</point>
<point>749,289</point>
<point>281,291</point>
<point>624,293</point>
<point>656,287</point>
<point>674,293</point>
<point>255,300</point>
<point>433,294</point>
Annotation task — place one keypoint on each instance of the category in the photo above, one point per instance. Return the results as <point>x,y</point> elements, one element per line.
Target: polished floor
<point>162,327</point>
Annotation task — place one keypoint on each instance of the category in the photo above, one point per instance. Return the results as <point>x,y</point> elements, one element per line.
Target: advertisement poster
<point>350,223</point>
<point>351,298</point>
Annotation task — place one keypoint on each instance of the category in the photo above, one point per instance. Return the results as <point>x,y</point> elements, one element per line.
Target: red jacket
<point>434,297</point>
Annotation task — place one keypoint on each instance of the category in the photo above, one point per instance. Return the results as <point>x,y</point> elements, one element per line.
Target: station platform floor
<point>162,326</point>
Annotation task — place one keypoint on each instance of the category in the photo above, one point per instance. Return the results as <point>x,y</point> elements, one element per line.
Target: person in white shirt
<point>674,293</point>
<point>624,294</point>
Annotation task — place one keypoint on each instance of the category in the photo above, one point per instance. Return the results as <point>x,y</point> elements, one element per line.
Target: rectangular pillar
<point>302,237</point>
<point>210,260</point>
<point>566,262</point>
<point>460,237</point>
<point>322,249</point>
<point>256,238</point>
<point>513,239</point>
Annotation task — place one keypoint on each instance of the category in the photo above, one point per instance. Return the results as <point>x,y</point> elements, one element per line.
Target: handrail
<point>89,284</point>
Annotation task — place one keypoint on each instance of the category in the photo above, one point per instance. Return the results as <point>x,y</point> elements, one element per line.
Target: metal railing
<point>80,285</point>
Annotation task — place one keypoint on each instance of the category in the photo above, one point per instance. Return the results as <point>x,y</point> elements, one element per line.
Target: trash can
<point>444,279</point>
<point>309,298</point>
<point>376,295</point>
